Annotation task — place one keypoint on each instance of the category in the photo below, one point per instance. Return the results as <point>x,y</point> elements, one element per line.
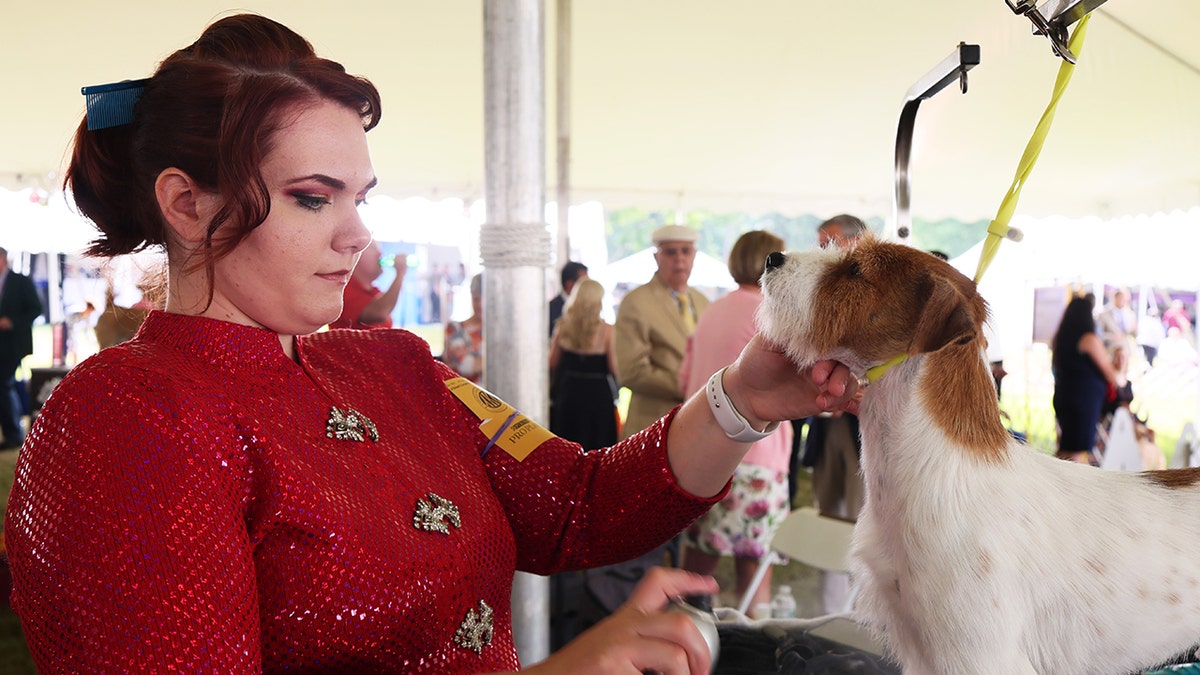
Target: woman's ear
<point>185,206</point>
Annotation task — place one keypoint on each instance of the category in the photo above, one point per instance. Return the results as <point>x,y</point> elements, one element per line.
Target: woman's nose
<point>355,234</point>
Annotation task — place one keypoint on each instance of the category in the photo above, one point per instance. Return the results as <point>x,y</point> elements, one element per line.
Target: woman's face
<point>287,275</point>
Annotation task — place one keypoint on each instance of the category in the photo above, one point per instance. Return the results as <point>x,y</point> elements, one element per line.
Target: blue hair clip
<point>111,105</point>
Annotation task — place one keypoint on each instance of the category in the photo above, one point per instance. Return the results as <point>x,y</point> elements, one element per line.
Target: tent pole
<point>563,124</point>
<point>514,245</point>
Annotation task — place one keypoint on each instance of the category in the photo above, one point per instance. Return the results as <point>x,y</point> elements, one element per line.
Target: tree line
<point>627,230</point>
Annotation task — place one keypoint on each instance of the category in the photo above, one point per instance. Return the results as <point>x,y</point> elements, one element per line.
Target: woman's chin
<point>312,324</point>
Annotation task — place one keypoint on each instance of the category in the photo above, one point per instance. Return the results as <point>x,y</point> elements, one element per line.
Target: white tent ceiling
<point>787,105</point>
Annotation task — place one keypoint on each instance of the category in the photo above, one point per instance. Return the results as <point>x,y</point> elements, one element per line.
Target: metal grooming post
<point>514,244</point>
<point>563,123</point>
<point>953,67</point>
<point>1052,19</point>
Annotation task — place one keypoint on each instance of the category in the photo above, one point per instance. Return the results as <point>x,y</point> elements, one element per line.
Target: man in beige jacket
<point>653,324</point>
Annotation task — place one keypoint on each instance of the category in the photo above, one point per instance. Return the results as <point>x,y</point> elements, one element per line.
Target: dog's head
<point>866,305</point>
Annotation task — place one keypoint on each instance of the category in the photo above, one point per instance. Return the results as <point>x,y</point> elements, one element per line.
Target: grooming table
<point>795,648</point>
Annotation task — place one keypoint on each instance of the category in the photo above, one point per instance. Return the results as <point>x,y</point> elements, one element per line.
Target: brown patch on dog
<point>960,396</point>
<point>944,319</point>
<point>956,387</point>
<point>1174,479</point>
<point>888,299</point>
<point>870,301</point>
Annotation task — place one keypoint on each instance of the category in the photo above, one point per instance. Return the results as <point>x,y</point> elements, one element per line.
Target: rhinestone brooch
<point>475,633</point>
<point>350,425</point>
<point>432,514</point>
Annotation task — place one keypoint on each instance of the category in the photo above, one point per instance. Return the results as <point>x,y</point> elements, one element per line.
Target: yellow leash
<point>998,229</point>
<point>877,372</point>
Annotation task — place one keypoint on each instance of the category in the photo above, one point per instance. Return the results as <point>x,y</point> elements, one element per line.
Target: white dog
<point>975,554</point>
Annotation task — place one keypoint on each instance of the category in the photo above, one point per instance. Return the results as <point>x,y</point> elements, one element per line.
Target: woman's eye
<point>314,202</point>
<point>359,201</point>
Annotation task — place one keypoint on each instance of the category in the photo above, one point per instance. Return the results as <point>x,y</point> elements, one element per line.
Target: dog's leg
<point>942,624</point>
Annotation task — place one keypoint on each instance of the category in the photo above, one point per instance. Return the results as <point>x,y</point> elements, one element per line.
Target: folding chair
<point>1187,450</point>
<point>824,543</point>
<point>1121,452</point>
<point>808,537</point>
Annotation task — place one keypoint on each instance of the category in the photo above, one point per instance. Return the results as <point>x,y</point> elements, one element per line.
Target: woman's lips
<point>341,276</point>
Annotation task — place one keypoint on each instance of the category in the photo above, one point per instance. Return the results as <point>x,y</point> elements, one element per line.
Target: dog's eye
<point>854,271</point>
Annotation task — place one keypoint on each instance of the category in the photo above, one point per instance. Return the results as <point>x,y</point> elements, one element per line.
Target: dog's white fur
<point>973,553</point>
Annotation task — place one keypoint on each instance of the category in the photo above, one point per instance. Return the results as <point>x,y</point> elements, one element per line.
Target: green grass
<point>1034,415</point>
<point>1165,396</point>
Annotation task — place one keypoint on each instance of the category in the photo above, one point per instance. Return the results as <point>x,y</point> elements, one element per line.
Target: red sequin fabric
<point>195,501</point>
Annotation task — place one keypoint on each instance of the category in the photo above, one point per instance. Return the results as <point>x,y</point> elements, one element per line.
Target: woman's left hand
<point>766,386</point>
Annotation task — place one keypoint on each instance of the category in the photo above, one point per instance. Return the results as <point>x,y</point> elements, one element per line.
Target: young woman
<point>582,360</point>
<point>229,492</point>
<point>1083,379</point>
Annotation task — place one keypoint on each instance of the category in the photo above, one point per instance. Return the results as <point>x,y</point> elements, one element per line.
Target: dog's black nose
<point>775,260</point>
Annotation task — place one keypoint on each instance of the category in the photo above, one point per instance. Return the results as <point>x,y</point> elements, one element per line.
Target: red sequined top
<point>193,500</point>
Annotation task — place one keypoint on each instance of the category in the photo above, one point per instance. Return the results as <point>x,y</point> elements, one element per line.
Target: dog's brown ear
<point>946,318</point>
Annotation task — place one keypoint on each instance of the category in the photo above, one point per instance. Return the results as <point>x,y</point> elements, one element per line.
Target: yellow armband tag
<point>504,426</point>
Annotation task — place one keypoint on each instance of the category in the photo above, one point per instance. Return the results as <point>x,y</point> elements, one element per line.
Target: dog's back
<point>975,554</point>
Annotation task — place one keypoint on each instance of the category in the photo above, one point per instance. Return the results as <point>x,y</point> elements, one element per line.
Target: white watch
<point>732,423</point>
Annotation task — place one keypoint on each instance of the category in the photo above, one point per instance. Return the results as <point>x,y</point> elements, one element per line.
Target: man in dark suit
<point>19,306</point>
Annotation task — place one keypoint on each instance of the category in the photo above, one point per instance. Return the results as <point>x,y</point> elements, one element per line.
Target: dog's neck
<point>950,390</point>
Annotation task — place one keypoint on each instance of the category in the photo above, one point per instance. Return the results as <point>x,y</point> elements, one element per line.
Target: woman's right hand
<point>641,636</point>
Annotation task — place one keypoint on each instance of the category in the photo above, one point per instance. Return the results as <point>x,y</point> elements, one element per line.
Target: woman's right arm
<point>126,531</point>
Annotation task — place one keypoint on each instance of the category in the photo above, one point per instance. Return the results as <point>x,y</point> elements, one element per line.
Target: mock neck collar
<point>225,345</point>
